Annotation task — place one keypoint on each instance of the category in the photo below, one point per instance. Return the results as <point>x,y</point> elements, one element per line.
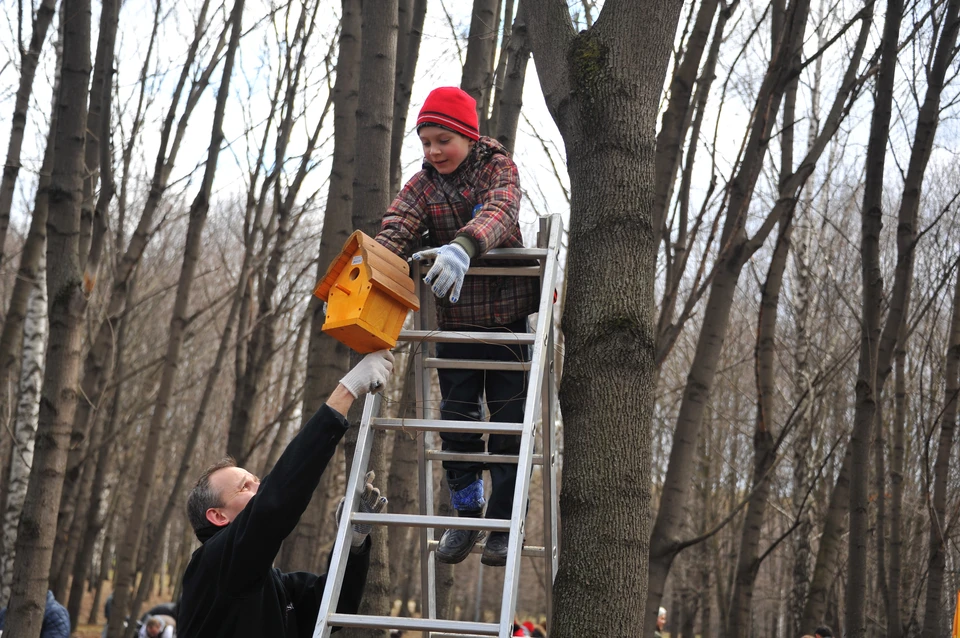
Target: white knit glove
<point>450,265</point>
<point>370,375</point>
<point>370,502</point>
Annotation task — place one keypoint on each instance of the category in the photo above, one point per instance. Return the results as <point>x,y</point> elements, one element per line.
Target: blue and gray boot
<point>455,544</point>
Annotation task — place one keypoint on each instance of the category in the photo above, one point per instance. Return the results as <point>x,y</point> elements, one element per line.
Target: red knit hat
<point>452,109</point>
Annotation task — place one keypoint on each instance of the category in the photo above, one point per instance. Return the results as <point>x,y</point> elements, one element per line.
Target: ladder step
<point>438,425</point>
<point>445,522</point>
<point>533,551</point>
<point>453,627</point>
<point>456,336</point>
<point>482,457</point>
<point>476,364</point>
<point>511,271</point>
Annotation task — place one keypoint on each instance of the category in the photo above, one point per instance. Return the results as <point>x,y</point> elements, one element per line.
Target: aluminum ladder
<point>540,406</point>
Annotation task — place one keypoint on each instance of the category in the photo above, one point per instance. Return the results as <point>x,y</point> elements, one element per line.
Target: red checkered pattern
<point>481,200</point>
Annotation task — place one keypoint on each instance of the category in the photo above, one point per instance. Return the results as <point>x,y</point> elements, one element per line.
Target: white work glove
<point>449,268</point>
<point>370,502</point>
<point>370,375</point>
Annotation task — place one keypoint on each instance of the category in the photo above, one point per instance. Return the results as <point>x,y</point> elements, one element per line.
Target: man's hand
<point>449,268</point>
<point>370,375</point>
<point>371,502</point>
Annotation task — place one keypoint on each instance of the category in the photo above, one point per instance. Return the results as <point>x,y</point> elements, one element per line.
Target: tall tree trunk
<point>506,116</point>
<point>66,309</point>
<point>30,59</point>
<point>764,446</point>
<point>602,87</point>
<point>97,364</point>
<point>105,461</point>
<point>676,120</point>
<point>126,556</point>
<point>877,348</point>
<point>402,490</point>
<point>35,331</point>
<point>477,78</point>
<point>371,197</point>
<point>894,618</point>
<point>411,16</point>
<point>933,612</point>
<point>326,357</point>
<point>98,157</point>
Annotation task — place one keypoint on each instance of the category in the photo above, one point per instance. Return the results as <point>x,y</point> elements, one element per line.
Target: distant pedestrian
<point>823,632</point>
<point>56,620</point>
<point>661,621</point>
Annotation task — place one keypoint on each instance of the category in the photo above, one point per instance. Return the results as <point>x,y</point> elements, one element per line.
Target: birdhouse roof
<point>385,270</point>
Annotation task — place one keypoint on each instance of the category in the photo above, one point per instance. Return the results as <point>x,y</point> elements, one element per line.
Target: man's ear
<point>215,516</point>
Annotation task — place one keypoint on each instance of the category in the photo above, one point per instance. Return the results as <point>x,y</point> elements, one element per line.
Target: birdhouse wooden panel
<point>368,291</point>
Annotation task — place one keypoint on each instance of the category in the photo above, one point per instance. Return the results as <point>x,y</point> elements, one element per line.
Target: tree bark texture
<point>371,197</point>
<point>327,358</point>
<point>937,558</point>
<point>66,308</point>
<point>510,94</point>
<point>602,87</point>
<point>35,330</point>
<point>126,555</point>
<point>411,16</point>
<point>29,61</point>
<point>477,78</point>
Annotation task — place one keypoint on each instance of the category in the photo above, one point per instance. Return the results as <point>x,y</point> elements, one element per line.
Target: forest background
<point>760,309</point>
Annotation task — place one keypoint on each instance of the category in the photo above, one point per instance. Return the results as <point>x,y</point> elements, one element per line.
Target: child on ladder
<point>466,198</point>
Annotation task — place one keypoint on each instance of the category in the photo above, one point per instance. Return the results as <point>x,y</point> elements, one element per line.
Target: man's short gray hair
<point>202,497</point>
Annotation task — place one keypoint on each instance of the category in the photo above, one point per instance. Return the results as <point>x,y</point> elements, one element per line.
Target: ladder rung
<point>481,457</point>
<point>455,336</point>
<point>438,425</point>
<point>454,627</point>
<point>446,635</point>
<point>534,551</point>
<point>515,253</point>
<point>511,271</point>
<point>476,364</point>
<point>445,522</point>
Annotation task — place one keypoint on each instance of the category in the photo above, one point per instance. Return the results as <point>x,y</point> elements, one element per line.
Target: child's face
<point>444,149</point>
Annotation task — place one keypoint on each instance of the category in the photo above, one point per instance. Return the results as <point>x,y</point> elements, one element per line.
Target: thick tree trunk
<point>402,491</point>
<point>126,555</point>
<point>601,85</point>
<point>933,612</point>
<point>371,197</point>
<point>66,309</point>
<point>18,124</point>
<point>327,358</point>
<point>35,331</point>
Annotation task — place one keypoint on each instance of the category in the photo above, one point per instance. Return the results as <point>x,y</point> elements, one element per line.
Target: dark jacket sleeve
<point>306,590</point>
<point>252,540</point>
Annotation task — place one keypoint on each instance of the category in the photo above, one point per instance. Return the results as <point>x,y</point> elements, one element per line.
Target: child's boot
<point>455,544</point>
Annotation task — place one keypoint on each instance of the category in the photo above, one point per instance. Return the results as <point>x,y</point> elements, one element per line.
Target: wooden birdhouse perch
<point>368,291</point>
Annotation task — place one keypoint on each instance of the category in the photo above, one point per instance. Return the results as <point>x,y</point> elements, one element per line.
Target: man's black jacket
<point>230,588</point>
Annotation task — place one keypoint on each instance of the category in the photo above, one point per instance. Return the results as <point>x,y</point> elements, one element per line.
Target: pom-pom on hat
<point>450,108</point>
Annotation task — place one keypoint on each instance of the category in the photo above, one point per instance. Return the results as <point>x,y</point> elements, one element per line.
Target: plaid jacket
<point>481,200</point>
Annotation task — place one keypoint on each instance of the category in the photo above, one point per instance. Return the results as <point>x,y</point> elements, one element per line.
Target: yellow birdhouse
<point>368,291</point>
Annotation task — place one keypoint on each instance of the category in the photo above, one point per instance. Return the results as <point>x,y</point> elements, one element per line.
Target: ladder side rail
<point>548,474</point>
<point>341,548</point>
<point>428,580</point>
<point>511,580</point>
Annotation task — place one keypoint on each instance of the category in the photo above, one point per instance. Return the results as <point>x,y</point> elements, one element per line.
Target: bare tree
<point>601,84</point>
<point>126,563</point>
<point>29,60</point>
<point>66,308</point>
